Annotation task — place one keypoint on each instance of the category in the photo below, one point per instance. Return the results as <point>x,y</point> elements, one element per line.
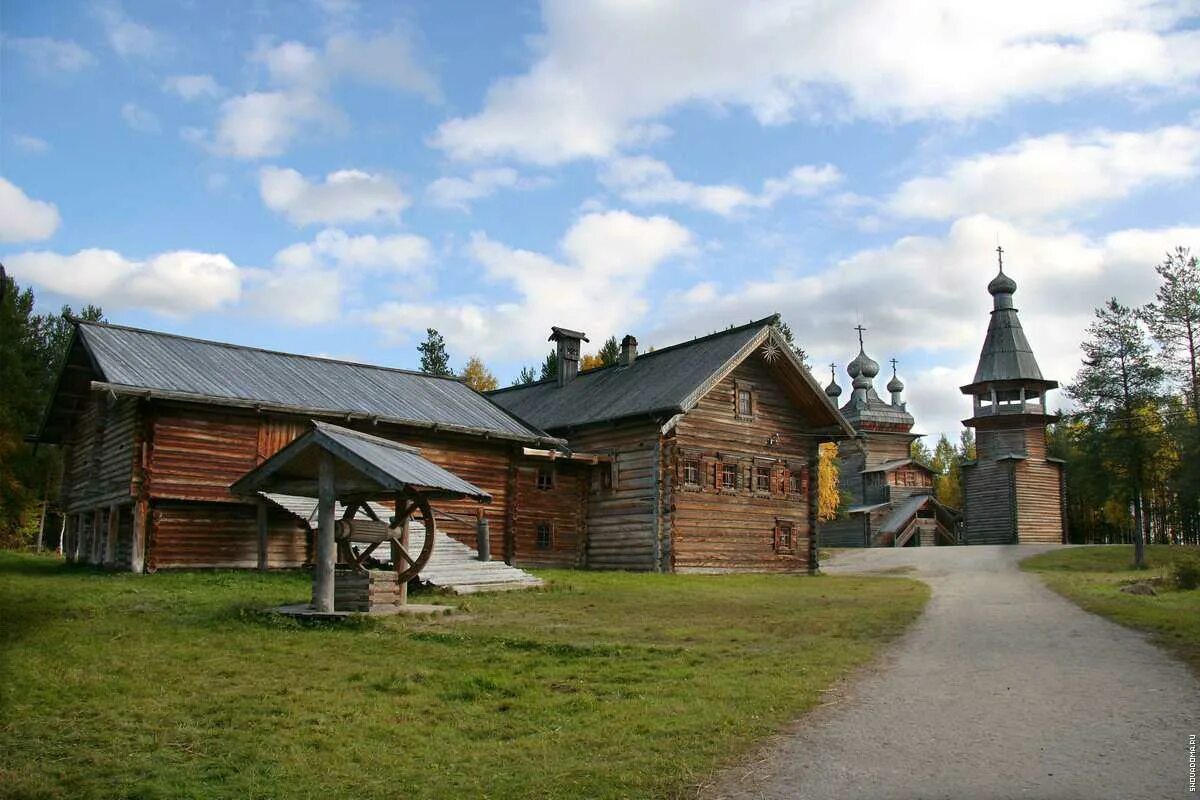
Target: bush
<point>1185,573</point>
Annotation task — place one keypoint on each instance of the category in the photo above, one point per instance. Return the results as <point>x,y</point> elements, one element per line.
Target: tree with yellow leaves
<point>478,377</point>
<point>829,496</point>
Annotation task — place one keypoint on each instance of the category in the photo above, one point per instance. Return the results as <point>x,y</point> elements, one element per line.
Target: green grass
<point>602,685</point>
<point>1093,577</point>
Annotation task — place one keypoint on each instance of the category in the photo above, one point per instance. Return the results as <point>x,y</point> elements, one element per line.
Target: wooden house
<point>1013,492</point>
<point>156,428</point>
<point>712,446</point>
<point>891,500</point>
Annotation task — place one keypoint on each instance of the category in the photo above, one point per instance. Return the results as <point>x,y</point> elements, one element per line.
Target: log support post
<point>97,553</point>
<point>79,539</point>
<point>323,571</point>
<point>261,521</point>
<point>137,549</point>
<point>114,531</point>
<point>402,588</point>
<point>483,541</point>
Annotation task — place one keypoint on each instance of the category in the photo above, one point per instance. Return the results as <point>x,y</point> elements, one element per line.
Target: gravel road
<point>1002,689</point>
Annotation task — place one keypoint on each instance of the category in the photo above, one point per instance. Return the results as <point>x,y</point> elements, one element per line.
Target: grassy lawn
<point>1093,576</point>
<point>603,685</point>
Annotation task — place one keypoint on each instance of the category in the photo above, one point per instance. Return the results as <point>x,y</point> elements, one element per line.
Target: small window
<point>729,476</point>
<point>545,478</point>
<point>545,536</point>
<point>762,479</point>
<point>785,541</point>
<point>745,403</point>
<point>793,482</point>
<point>691,472</point>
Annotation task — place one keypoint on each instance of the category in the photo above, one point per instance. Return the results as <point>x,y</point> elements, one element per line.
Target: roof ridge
<point>768,320</point>
<point>318,425</point>
<point>232,346</point>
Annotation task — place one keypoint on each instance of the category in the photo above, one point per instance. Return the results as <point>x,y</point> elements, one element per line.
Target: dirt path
<point>1002,689</point>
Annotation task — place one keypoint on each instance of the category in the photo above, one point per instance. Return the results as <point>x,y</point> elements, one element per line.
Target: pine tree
<point>478,376</point>
<point>947,480</point>
<point>434,359</point>
<point>525,377</point>
<point>610,352</point>
<point>966,445</point>
<point>550,366</point>
<point>1173,318</point>
<point>919,453</point>
<point>1119,383</point>
<point>785,331</point>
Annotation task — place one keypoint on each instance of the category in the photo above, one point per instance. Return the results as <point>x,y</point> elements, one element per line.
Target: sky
<point>332,177</point>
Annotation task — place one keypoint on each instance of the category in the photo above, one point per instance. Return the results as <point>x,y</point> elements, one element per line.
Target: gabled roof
<point>365,464</point>
<point>888,466</point>
<point>661,382</point>
<point>903,512</point>
<point>166,366</point>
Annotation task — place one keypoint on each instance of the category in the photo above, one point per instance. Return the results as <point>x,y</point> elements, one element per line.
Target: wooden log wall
<point>987,497</point>
<point>717,529</point>
<point>1039,493</point>
<point>622,532</point>
<point>208,534</point>
<point>99,457</point>
<point>561,507</point>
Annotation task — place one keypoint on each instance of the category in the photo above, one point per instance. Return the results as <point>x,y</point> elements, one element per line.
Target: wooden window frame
<point>785,543</point>
<point>549,484</point>
<point>537,536</point>
<point>722,468</point>
<point>691,465</point>
<point>602,479</point>
<point>759,469</point>
<point>741,388</point>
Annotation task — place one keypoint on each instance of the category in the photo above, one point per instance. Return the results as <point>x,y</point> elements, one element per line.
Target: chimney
<point>568,352</point>
<point>628,350</point>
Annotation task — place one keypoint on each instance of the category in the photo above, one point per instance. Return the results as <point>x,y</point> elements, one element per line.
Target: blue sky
<point>331,177</point>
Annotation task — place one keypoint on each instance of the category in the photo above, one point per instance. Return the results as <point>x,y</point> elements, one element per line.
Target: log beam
<point>323,571</point>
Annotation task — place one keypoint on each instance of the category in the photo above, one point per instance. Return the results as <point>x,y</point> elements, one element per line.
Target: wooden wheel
<point>408,566</point>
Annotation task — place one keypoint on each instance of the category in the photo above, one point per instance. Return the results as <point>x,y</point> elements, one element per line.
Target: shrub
<point>1185,573</point>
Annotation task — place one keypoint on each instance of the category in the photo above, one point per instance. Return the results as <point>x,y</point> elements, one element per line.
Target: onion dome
<point>895,384</point>
<point>863,364</point>
<point>833,390</point>
<point>861,382</point>
<point>1001,284</point>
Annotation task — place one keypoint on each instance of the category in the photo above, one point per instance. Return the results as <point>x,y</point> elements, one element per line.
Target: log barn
<point>156,427</point>
<point>1014,490</point>
<point>891,500</point>
<point>712,448</point>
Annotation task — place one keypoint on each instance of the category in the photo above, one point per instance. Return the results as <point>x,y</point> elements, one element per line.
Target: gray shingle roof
<point>171,364</point>
<point>366,463</point>
<point>1006,354</point>
<point>659,381</point>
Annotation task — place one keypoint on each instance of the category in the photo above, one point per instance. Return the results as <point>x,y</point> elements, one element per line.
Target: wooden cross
<point>1000,256</point>
<point>860,330</point>
<point>894,363</point>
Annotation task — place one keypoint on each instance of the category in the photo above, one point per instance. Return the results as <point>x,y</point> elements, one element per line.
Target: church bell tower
<point>1013,492</point>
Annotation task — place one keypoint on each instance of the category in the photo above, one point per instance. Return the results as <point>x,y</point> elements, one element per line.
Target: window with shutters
<point>762,479</point>
<point>728,474</point>
<point>785,537</point>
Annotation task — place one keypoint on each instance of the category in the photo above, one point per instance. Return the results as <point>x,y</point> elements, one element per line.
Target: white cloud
<point>597,285</point>
<point>459,193</point>
<point>298,295</point>
<point>127,37</point>
<point>646,181</point>
<point>347,195</point>
<point>193,87</point>
<point>1052,174</point>
<point>23,219</point>
<point>51,56</point>
<point>925,297</point>
<point>889,60</point>
<point>177,283</point>
<point>399,254</point>
<point>30,144</point>
<point>140,119</point>
<point>263,124</point>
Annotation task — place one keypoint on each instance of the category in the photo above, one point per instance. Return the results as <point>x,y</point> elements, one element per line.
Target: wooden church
<point>891,500</point>
<point>1013,492</point>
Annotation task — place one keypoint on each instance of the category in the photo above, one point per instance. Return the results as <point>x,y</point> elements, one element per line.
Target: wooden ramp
<point>453,565</point>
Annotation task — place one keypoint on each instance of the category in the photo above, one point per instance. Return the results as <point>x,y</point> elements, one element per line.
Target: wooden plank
<point>262,530</point>
<point>141,514</point>
<point>113,528</point>
<point>326,546</point>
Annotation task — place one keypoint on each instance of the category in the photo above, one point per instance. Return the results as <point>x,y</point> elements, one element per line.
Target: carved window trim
<point>785,537</point>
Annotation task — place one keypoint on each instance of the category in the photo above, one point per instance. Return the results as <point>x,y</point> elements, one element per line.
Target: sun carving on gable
<point>770,351</point>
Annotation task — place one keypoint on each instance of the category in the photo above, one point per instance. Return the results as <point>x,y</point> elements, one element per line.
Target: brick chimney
<point>568,352</point>
<point>628,350</point>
